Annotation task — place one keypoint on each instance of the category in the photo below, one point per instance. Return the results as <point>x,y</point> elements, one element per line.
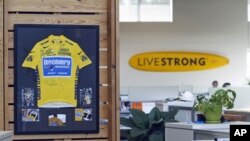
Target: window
<point>128,10</point>
<point>146,11</point>
<point>155,10</point>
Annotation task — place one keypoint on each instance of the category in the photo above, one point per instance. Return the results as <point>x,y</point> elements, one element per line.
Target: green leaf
<point>170,116</point>
<point>139,123</point>
<point>156,136</point>
<point>139,138</point>
<point>233,93</point>
<point>136,132</point>
<point>154,115</point>
<point>156,122</point>
<point>200,98</point>
<point>125,133</point>
<point>134,139</point>
<point>140,119</point>
<point>127,122</point>
<point>172,120</point>
<point>221,97</point>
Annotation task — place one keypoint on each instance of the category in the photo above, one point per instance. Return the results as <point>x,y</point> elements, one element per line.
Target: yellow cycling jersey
<point>57,60</point>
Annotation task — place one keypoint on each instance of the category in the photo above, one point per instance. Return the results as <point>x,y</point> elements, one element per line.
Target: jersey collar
<point>56,37</point>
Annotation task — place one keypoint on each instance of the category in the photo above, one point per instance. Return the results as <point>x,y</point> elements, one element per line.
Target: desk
<point>192,131</point>
<point>239,111</point>
<point>6,135</point>
<point>211,133</point>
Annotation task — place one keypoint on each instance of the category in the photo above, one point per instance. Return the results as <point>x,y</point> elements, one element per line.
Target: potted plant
<point>212,107</point>
<point>147,127</point>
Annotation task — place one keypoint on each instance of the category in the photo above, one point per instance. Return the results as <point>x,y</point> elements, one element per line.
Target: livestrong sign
<point>176,61</point>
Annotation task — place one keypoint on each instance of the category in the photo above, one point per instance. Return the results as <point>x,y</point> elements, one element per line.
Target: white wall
<point>210,26</point>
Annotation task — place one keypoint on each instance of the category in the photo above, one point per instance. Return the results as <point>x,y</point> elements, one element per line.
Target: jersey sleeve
<point>81,58</point>
<point>31,61</point>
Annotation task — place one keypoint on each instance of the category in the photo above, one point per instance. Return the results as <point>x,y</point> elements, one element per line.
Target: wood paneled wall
<point>1,68</point>
<point>73,12</point>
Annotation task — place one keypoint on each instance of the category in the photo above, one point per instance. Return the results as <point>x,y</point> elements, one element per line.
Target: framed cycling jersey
<point>56,79</point>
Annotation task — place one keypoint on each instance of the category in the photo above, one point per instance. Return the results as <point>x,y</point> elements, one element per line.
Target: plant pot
<point>214,115</point>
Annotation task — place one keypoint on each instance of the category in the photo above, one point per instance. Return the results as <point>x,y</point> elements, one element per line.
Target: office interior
<point>211,26</point>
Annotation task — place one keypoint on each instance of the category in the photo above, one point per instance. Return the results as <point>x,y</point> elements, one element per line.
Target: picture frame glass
<point>56,79</point>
